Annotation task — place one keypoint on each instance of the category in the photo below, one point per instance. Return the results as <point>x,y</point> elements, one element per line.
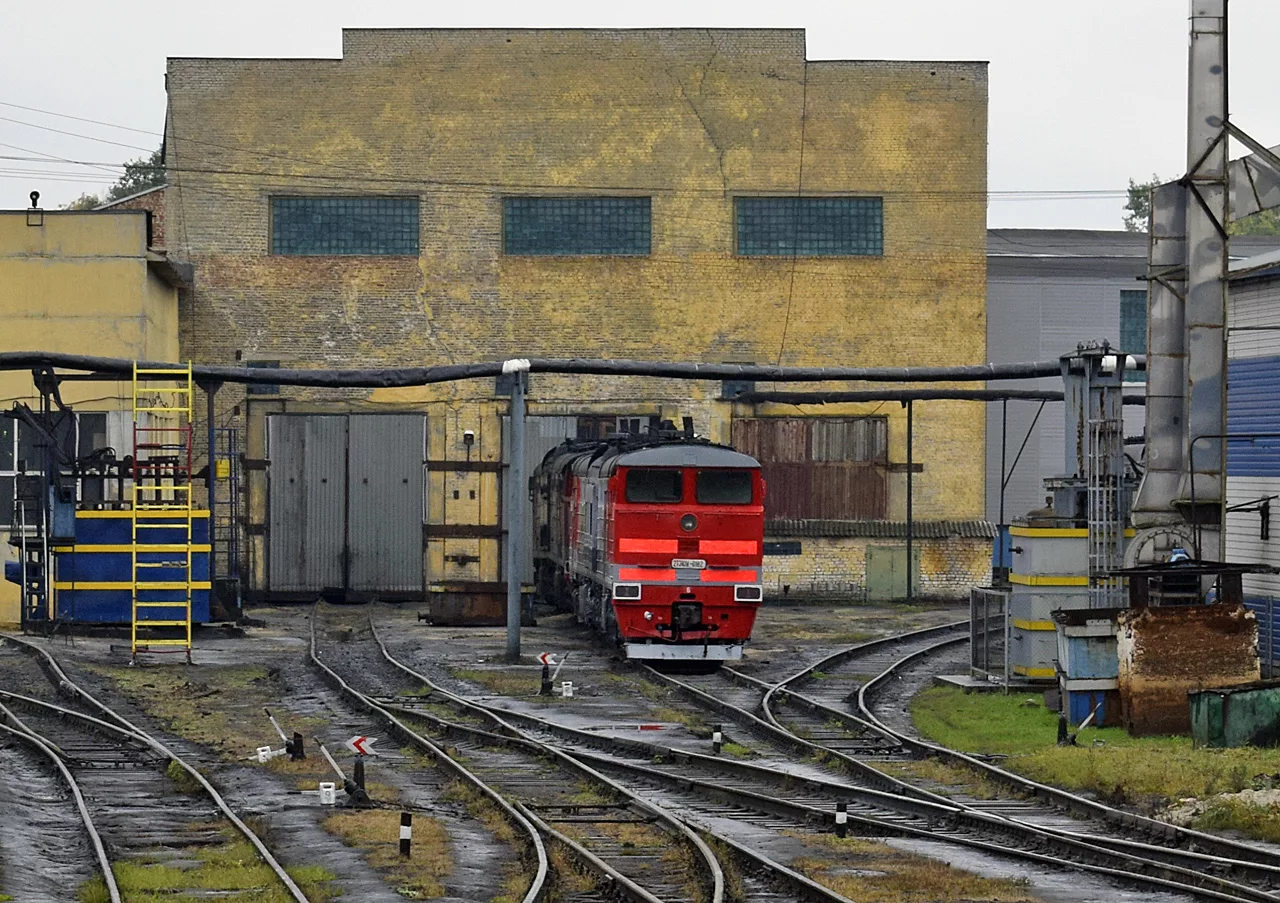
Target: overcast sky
<point>1083,96</point>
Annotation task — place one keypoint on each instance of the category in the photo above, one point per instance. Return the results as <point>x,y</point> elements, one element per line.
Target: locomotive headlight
<point>748,593</point>
<point>648,616</point>
<point>626,591</point>
<point>689,523</point>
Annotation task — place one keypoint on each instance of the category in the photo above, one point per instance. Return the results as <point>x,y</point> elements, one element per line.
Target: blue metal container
<point>1088,666</point>
<point>93,579</point>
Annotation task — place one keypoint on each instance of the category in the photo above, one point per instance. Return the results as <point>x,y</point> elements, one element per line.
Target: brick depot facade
<point>466,123</point>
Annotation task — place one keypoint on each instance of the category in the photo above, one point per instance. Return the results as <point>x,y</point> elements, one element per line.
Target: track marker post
<point>842,819</point>
<point>356,794</point>
<point>547,661</point>
<point>717,738</point>
<point>406,834</point>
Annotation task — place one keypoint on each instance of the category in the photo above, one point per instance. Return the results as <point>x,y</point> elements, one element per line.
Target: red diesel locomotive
<point>654,541</point>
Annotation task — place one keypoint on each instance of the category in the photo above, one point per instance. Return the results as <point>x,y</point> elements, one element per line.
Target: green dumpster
<point>1247,715</point>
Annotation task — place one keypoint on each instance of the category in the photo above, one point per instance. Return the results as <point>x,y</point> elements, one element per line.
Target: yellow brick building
<point>78,283</point>
<point>418,201</point>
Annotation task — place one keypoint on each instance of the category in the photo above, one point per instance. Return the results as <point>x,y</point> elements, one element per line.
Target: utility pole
<point>515,500</point>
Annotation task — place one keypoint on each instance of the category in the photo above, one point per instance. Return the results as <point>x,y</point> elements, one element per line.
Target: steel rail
<point>619,884</point>
<point>65,684</point>
<point>1168,877</point>
<point>514,737</point>
<point>95,839</point>
<point>538,886</point>
<point>709,858</point>
<point>1223,848</point>
<point>1084,846</point>
<point>1224,852</point>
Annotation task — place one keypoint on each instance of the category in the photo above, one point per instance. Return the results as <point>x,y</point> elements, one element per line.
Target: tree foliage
<point>1138,208</point>
<point>84,202</point>
<point>139,175</point>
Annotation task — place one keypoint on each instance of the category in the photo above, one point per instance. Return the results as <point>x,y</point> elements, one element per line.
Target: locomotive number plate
<point>697,563</point>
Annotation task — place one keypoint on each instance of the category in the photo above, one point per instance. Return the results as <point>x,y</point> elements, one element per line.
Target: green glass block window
<point>576,226</point>
<point>1133,327</point>
<point>810,227</point>
<point>344,226</point>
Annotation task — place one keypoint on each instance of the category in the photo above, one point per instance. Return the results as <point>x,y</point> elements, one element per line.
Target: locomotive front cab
<point>686,552</point>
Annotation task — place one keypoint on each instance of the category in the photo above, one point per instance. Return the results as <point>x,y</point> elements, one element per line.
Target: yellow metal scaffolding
<point>163,406</point>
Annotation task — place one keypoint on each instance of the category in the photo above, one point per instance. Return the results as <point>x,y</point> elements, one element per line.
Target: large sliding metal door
<point>345,504</point>
<point>307,500</point>
<point>386,453</point>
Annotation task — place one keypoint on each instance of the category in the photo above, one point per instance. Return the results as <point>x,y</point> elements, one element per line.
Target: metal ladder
<point>162,510</point>
<point>225,528</point>
<point>1106,515</point>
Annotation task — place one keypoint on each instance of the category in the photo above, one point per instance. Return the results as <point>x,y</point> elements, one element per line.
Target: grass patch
<point>569,878</point>
<point>229,871</point>
<point>1259,822</point>
<point>221,710</point>
<point>182,778</point>
<point>736,750</point>
<point>515,883</point>
<point>877,873</point>
<point>735,889</point>
<point>966,780</point>
<point>692,720</point>
<point>1139,770</point>
<point>377,833</point>
<point>525,682</point>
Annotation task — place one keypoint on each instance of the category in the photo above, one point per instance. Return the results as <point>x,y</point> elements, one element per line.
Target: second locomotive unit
<point>654,541</point>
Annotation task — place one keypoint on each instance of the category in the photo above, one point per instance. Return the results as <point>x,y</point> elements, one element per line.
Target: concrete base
<point>971,684</point>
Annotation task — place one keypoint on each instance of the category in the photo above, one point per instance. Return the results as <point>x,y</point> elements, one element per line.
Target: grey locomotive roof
<point>686,456</point>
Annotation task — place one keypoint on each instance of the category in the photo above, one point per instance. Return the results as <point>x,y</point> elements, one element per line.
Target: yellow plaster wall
<point>691,118</point>
<point>79,283</point>
<point>836,567</point>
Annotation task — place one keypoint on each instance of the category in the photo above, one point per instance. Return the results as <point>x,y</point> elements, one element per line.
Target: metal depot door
<point>306,502</point>
<point>385,458</point>
<point>345,504</point>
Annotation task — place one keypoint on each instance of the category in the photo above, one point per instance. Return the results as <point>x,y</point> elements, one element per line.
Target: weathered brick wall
<point>689,117</point>
<point>836,567</point>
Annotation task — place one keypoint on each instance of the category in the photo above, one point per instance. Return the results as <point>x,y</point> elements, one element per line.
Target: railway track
<point>687,781</point>
<point>582,796</point>
<point>138,800</point>
<point>861,747</point>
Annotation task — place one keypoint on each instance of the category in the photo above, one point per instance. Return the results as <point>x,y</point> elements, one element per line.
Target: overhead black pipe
<point>913,394</point>
<point>421,376</point>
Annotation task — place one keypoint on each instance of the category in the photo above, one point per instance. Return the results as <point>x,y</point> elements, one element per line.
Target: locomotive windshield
<point>665,486</point>
<point>724,487</point>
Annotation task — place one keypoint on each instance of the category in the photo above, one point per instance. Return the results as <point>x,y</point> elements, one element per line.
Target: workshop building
<point>452,196</point>
<point>77,283</point>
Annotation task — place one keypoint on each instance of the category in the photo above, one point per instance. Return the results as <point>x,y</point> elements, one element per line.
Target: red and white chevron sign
<point>361,746</point>
<point>547,658</point>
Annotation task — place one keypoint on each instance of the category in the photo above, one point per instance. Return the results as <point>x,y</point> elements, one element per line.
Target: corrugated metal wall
<point>306,496</point>
<point>386,453</point>
<point>1253,405</point>
<point>820,468</point>
<point>1031,318</point>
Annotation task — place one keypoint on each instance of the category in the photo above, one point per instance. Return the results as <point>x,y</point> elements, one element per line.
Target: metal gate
<point>345,504</point>
<point>385,458</point>
<point>306,503</point>
<point>989,634</point>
